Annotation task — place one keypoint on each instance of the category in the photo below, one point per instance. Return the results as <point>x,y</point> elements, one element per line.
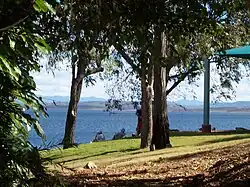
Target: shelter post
<point>206,127</point>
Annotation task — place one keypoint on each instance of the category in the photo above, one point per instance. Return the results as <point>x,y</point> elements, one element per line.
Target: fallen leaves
<point>214,168</point>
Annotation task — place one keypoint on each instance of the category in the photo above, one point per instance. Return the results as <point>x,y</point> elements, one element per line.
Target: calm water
<point>90,121</point>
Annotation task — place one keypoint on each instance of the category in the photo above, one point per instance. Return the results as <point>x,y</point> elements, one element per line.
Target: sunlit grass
<point>126,151</point>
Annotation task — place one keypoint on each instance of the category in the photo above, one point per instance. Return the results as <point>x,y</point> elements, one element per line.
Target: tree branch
<point>14,24</point>
<point>126,78</point>
<point>81,75</point>
<point>180,79</point>
<point>19,12</point>
<point>173,76</point>
<point>93,71</point>
<point>122,52</point>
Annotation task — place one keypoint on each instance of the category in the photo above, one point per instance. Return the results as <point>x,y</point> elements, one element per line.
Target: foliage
<point>195,31</point>
<point>121,82</point>
<point>112,104</point>
<point>18,58</point>
<point>77,34</point>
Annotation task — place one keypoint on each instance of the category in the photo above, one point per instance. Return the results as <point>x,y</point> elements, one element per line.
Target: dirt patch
<point>221,167</point>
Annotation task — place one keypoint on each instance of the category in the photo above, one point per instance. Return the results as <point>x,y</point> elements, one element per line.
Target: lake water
<point>91,121</point>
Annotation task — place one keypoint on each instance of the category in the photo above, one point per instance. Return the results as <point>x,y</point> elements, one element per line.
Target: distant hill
<point>91,103</point>
<point>100,105</point>
<point>237,104</point>
<point>190,103</point>
<point>195,104</point>
<point>48,99</point>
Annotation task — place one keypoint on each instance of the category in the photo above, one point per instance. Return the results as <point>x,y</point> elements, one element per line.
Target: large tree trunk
<point>147,115</point>
<point>75,95</point>
<point>160,119</point>
<point>68,140</point>
<point>161,124</point>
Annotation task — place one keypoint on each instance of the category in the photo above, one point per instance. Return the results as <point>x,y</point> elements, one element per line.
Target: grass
<point>126,151</point>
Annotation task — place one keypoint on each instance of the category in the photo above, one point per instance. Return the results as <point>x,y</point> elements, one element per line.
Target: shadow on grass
<point>96,155</point>
<point>191,155</point>
<point>129,150</point>
<point>231,171</point>
<point>193,133</point>
<point>184,156</point>
<point>225,139</point>
<point>81,158</point>
<point>197,133</point>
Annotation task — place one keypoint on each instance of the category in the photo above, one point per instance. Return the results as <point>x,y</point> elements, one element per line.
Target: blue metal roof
<point>240,52</point>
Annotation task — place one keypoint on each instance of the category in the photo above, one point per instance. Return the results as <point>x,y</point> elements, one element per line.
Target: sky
<point>59,85</point>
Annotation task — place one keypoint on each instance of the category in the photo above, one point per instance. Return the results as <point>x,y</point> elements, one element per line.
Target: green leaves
<point>6,67</point>
<point>20,47</point>
<point>39,131</point>
<point>42,46</point>
<point>12,43</point>
<point>43,6</point>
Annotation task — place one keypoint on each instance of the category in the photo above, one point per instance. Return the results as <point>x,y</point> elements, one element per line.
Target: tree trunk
<point>160,119</point>
<point>161,124</point>
<point>75,94</point>
<point>147,115</point>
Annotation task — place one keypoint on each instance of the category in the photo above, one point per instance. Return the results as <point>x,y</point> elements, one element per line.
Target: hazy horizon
<point>94,98</point>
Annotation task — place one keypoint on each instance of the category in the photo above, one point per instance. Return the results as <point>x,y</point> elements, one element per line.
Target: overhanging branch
<point>19,12</point>
<point>93,71</point>
<point>122,52</point>
<point>126,78</point>
<point>174,76</point>
<point>82,75</point>
<point>13,25</point>
<point>180,79</point>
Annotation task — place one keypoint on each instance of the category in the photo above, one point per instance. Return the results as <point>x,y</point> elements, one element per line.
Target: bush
<point>19,50</point>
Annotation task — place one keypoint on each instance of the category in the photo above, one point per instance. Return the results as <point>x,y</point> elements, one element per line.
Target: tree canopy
<point>179,36</point>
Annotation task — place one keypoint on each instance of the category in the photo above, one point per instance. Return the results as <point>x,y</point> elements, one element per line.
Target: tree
<point>78,35</point>
<point>145,72</point>
<point>169,36</point>
<point>133,42</point>
<point>185,34</point>
<point>18,57</point>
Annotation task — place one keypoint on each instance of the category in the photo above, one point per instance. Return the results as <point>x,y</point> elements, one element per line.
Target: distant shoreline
<point>213,110</point>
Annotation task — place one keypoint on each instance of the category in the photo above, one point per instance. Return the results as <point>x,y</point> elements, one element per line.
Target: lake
<point>91,121</point>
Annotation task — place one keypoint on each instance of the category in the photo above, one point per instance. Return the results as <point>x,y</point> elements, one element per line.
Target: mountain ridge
<point>66,98</point>
<point>197,104</point>
<point>98,102</point>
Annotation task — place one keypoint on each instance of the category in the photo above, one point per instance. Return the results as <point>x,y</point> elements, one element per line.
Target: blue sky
<point>59,85</point>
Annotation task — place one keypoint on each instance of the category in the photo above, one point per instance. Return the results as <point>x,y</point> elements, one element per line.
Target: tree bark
<point>68,140</point>
<point>75,95</point>
<point>160,137</point>
<point>147,115</point>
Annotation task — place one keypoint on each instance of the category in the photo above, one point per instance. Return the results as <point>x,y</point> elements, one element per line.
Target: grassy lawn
<point>126,151</point>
